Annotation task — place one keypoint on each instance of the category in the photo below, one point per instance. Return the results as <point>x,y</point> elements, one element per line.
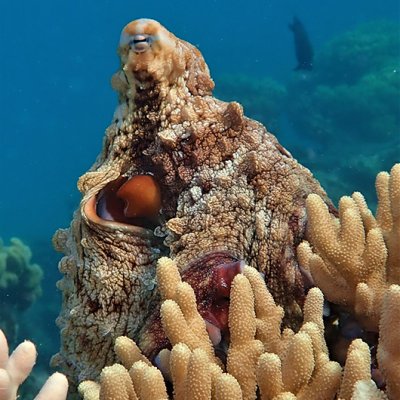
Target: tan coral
<point>303,369</point>
<point>142,382</point>
<point>198,379</point>
<point>116,384</point>
<point>310,377</point>
<point>89,390</point>
<point>181,320</point>
<point>244,349</point>
<point>168,278</point>
<point>268,315</point>
<point>187,332</point>
<point>269,375</point>
<point>354,259</point>
<point>227,388</point>
<point>357,368</point>
<point>148,381</point>
<point>195,376</point>
<point>128,352</point>
<point>389,341</point>
<point>313,308</point>
<point>388,218</point>
<point>285,396</point>
<point>298,363</point>
<point>324,383</point>
<point>179,364</point>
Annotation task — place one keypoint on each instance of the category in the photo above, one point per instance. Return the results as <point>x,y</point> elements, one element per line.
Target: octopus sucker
<point>184,175</point>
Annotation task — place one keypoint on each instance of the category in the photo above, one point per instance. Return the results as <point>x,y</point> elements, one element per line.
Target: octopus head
<point>150,53</point>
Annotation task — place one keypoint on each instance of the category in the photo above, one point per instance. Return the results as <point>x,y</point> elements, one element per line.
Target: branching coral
<point>300,363</point>
<point>14,369</point>
<point>356,382</point>
<point>181,320</point>
<point>389,343</point>
<point>355,258</point>
<point>244,349</point>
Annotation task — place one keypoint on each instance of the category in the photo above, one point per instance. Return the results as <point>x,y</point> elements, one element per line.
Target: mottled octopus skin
<point>229,192</point>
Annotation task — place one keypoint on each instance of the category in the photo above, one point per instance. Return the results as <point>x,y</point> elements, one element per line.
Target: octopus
<point>184,175</point>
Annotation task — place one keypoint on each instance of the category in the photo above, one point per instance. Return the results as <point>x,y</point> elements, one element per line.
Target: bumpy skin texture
<point>229,192</point>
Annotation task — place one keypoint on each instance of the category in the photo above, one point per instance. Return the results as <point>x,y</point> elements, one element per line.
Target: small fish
<point>303,47</point>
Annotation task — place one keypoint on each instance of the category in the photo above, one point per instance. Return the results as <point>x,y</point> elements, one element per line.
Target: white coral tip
<point>55,388</point>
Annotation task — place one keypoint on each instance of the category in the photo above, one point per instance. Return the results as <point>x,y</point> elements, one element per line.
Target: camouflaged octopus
<point>181,174</point>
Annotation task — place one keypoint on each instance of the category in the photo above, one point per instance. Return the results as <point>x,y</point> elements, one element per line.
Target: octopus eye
<point>141,196</point>
<point>140,42</point>
<point>133,201</point>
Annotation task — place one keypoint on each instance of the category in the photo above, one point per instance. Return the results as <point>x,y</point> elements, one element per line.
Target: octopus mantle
<point>181,174</point>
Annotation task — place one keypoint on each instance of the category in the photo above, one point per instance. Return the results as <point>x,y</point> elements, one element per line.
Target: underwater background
<point>341,119</point>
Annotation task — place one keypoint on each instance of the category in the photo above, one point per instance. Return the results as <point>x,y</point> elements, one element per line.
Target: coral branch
<point>244,349</point>
<point>389,343</point>
<point>179,313</point>
<point>357,368</point>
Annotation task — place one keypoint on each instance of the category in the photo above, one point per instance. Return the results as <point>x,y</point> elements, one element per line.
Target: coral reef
<point>229,192</point>
<point>352,95</point>
<point>354,73</point>
<point>15,368</point>
<point>19,283</point>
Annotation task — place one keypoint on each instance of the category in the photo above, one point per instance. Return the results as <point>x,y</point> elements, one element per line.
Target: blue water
<point>56,99</point>
<point>58,58</point>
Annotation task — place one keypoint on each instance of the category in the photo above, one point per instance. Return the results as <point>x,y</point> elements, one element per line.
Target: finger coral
<point>355,258</point>
<point>389,343</point>
<point>244,349</point>
<point>180,318</point>
<point>14,369</point>
<point>301,367</point>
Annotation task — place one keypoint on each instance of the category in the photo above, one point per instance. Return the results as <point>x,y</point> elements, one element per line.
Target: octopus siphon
<point>184,175</point>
